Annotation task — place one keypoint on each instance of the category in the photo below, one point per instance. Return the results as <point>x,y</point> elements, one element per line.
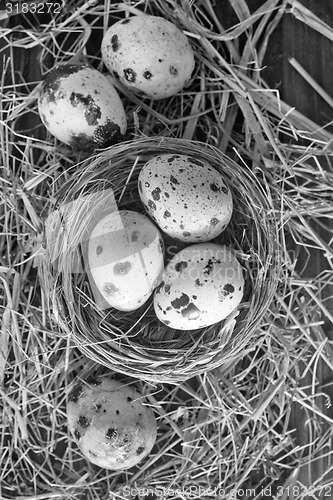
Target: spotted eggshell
<point>110,423</point>
<point>202,285</point>
<point>149,54</point>
<point>186,197</point>
<point>81,107</point>
<point>126,258</point>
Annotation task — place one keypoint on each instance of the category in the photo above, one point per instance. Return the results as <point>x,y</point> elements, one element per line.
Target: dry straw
<point>265,417</point>
<point>136,343</point>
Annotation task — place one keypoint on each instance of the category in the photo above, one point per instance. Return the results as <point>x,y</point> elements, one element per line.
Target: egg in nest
<point>202,285</point>
<point>110,423</point>
<point>149,55</point>
<point>126,258</point>
<point>81,107</point>
<point>188,198</point>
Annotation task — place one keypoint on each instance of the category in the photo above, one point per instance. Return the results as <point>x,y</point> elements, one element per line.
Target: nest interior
<point>137,341</point>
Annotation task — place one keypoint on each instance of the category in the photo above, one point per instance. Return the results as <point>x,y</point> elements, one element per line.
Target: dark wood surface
<point>315,54</point>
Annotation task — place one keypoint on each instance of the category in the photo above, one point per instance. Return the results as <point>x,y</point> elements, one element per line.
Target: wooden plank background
<point>314,53</point>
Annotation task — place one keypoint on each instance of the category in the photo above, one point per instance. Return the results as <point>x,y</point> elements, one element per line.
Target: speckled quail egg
<point>186,197</point>
<point>126,258</point>
<point>202,285</point>
<point>81,107</point>
<point>148,54</point>
<point>110,423</point>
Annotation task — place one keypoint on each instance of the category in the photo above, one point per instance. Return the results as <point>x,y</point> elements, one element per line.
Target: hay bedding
<point>229,428</point>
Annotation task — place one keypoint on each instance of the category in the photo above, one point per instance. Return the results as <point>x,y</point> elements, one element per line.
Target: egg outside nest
<point>149,55</point>
<point>81,108</point>
<point>110,424</point>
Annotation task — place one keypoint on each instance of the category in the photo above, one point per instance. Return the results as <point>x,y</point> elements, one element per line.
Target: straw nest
<point>136,343</point>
